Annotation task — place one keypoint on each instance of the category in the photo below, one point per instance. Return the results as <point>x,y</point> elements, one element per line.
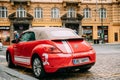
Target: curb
<point>16,74</point>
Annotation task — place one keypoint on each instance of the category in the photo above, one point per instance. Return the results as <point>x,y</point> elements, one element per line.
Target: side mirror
<point>14,41</point>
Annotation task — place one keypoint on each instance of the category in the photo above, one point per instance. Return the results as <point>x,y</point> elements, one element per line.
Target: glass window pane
<point>87,13</point>
<point>3,12</point>
<point>71,12</point>
<point>38,13</point>
<point>55,13</point>
<point>102,13</point>
<point>21,12</point>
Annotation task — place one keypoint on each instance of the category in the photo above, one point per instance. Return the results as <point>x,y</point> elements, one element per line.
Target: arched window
<point>102,13</point>
<point>38,13</point>
<point>87,13</point>
<point>21,12</point>
<point>3,12</point>
<point>71,12</point>
<point>55,13</point>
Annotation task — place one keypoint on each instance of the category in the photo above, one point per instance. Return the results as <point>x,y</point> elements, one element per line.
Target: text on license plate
<point>80,60</point>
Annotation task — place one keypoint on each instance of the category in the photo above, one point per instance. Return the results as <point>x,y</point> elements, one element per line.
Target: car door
<point>28,47</point>
<point>22,49</point>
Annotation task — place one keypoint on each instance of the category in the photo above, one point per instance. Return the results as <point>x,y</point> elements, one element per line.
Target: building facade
<point>92,19</point>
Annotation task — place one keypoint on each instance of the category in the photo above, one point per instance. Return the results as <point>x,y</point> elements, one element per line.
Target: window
<point>3,12</point>
<point>88,33</point>
<point>71,12</point>
<point>55,13</point>
<point>28,36</point>
<point>116,36</point>
<point>87,13</point>
<point>38,13</point>
<point>102,13</point>
<point>21,12</point>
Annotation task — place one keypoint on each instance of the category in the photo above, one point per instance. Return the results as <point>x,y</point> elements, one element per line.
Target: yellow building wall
<point>4,22</point>
<point>46,20</point>
<point>112,31</point>
<point>112,20</point>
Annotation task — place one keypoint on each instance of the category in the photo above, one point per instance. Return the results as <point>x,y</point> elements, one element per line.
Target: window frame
<point>38,12</point>
<point>3,12</point>
<point>55,13</point>
<point>21,12</point>
<point>87,13</point>
<point>102,13</point>
<point>71,12</point>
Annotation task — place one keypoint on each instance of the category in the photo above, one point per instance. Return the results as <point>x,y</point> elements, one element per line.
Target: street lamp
<point>102,16</point>
<point>102,32</point>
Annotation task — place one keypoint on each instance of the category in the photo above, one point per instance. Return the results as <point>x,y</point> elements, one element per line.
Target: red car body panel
<point>67,50</point>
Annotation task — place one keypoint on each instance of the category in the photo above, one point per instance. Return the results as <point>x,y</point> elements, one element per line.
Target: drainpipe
<point>11,32</point>
<point>80,30</point>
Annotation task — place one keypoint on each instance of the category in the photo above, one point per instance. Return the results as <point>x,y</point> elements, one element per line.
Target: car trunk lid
<point>74,45</point>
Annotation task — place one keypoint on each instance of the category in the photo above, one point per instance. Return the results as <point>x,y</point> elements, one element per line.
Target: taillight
<point>51,49</point>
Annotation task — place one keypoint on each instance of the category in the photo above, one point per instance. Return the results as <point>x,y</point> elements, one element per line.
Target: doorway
<point>88,33</point>
<point>103,33</point>
<point>73,26</point>
<point>20,27</point>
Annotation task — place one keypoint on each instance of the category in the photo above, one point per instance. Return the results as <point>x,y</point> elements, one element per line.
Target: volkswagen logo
<point>75,46</point>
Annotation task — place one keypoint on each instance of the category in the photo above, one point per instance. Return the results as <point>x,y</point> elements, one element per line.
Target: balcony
<point>17,2</point>
<point>71,2</point>
<point>15,19</point>
<point>76,19</point>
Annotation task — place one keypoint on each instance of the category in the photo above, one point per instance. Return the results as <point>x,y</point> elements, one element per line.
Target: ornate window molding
<point>55,13</point>
<point>71,13</point>
<point>102,13</point>
<point>3,12</point>
<point>87,13</point>
<point>21,12</point>
<point>38,13</point>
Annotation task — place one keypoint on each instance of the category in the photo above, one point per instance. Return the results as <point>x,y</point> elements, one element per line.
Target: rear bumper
<point>59,62</point>
<point>75,67</point>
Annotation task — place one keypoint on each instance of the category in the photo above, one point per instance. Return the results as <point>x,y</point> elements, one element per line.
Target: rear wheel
<point>37,67</point>
<point>9,61</point>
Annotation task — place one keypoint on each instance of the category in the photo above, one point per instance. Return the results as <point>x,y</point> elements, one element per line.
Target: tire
<point>37,68</point>
<point>9,61</point>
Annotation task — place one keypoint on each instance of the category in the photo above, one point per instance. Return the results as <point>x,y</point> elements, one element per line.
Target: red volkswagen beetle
<point>50,49</point>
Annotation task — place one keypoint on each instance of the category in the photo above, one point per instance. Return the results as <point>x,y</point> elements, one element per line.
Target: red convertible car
<point>50,49</point>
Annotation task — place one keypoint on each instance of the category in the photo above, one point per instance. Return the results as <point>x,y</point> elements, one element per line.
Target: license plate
<point>80,60</point>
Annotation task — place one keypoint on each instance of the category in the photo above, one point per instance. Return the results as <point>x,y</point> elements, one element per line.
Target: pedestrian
<point>16,35</point>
